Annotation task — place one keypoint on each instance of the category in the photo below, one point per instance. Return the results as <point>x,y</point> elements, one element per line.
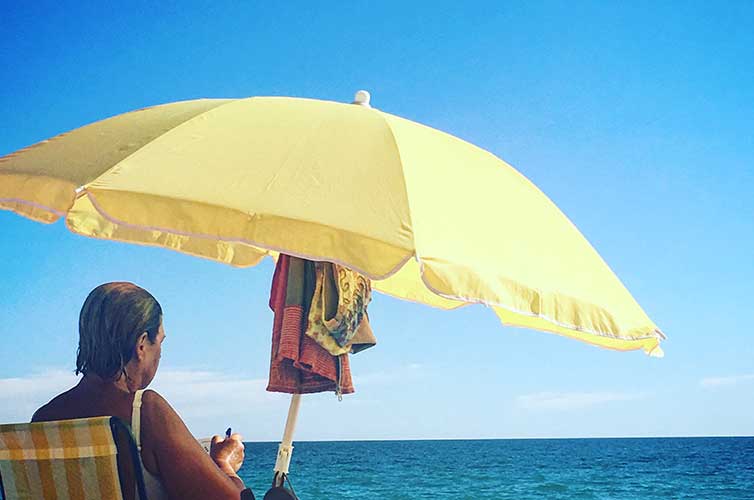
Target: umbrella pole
<point>285,450</point>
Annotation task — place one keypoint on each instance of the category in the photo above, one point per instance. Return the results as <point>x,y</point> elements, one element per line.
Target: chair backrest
<point>82,459</point>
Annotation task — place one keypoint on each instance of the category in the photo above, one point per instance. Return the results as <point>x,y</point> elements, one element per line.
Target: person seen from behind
<point>120,344</point>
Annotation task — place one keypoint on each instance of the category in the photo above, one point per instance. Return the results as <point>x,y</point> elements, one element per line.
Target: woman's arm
<point>185,469</point>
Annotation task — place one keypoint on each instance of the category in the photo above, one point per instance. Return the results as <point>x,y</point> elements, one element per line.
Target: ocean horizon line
<point>720,436</point>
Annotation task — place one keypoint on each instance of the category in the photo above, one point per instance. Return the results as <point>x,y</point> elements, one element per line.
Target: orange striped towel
<point>299,365</point>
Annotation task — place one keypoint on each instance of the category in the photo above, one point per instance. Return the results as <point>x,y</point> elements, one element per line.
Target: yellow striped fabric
<point>66,460</point>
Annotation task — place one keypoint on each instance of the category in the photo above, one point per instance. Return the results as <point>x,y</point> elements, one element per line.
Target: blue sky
<point>636,119</point>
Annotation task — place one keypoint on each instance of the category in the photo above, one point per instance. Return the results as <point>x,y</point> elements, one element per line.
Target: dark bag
<point>279,491</point>
<point>247,494</point>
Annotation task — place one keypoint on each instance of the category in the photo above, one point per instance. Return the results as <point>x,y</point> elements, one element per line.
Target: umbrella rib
<point>403,176</point>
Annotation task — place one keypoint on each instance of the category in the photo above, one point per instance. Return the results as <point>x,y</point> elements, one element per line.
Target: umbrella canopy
<point>427,216</point>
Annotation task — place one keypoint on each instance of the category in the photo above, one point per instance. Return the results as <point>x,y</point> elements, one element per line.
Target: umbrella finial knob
<point>362,98</point>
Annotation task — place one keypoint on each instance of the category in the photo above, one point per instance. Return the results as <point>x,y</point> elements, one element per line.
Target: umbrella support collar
<point>285,450</point>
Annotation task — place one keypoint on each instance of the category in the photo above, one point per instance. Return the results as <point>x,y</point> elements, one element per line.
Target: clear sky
<point>636,118</point>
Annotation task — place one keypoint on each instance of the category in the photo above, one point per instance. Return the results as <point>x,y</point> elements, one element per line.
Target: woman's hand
<point>228,453</point>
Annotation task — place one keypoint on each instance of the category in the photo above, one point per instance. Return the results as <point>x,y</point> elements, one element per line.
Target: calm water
<point>657,468</point>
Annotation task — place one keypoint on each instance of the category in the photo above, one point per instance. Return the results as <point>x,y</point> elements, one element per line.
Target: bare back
<point>169,451</point>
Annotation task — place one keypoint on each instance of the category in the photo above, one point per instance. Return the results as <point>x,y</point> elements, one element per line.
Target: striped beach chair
<point>82,459</point>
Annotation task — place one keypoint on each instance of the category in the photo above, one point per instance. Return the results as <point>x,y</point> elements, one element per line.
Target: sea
<point>621,468</point>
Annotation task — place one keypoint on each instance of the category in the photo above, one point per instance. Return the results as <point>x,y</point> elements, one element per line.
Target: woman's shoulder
<point>153,400</point>
<point>43,413</point>
<point>156,410</point>
<point>55,409</point>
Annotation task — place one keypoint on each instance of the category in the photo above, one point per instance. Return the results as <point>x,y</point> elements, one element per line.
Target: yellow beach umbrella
<point>427,216</point>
